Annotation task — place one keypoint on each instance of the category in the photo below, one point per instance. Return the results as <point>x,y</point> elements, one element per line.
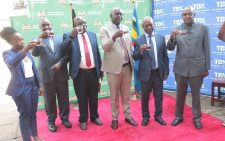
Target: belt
<point>87,70</point>
<point>156,69</point>
<point>126,64</point>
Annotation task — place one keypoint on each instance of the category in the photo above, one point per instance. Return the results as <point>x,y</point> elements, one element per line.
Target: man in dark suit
<point>192,63</point>
<point>54,75</point>
<point>150,49</point>
<point>85,64</point>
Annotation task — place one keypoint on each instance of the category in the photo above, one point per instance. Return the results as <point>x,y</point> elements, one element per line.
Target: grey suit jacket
<point>192,50</point>
<point>48,57</point>
<point>113,59</point>
<point>144,70</point>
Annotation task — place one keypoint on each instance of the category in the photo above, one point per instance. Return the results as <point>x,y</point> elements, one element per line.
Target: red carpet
<point>212,128</point>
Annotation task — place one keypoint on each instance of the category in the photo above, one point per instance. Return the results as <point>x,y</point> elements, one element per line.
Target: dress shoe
<point>83,126</point>
<point>131,121</point>
<point>160,121</point>
<point>37,139</point>
<point>198,124</point>
<point>67,124</point>
<point>176,121</point>
<point>145,122</point>
<point>114,124</point>
<point>97,121</point>
<point>52,127</point>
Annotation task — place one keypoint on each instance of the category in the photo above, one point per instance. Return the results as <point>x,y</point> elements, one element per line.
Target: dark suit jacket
<point>13,60</point>
<point>73,49</point>
<point>144,70</point>
<point>48,58</point>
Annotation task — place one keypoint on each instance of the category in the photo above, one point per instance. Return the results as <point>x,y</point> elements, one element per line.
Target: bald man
<point>150,49</point>
<point>54,75</point>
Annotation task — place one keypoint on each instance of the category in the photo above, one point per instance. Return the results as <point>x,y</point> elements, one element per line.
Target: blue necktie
<point>152,53</point>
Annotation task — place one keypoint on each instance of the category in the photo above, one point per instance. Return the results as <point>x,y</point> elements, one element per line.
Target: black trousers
<point>154,83</point>
<point>86,88</point>
<point>59,90</point>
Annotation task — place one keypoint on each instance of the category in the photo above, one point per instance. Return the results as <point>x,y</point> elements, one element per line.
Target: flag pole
<point>73,13</point>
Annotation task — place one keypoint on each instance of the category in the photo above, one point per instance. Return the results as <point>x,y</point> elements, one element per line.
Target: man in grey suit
<point>192,63</point>
<point>150,49</point>
<point>117,64</point>
<point>54,75</point>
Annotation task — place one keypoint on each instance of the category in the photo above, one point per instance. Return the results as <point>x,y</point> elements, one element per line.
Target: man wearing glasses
<point>192,63</point>
<point>117,63</point>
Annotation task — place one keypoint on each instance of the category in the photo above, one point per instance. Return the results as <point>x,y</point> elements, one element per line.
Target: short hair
<point>79,18</point>
<point>189,8</point>
<point>112,10</point>
<point>7,33</point>
<point>44,19</point>
<point>147,18</point>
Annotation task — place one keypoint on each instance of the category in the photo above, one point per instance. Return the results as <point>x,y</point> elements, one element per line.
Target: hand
<point>41,91</point>
<point>117,34</point>
<point>205,73</point>
<point>56,67</point>
<point>165,77</point>
<point>44,34</point>
<point>74,32</point>
<point>144,48</point>
<point>173,34</point>
<point>101,75</point>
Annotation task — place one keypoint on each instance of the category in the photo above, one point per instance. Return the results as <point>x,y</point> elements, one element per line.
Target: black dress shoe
<point>114,124</point>
<point>160,121</point>
<point>97,121</point>
<point>131,121</point>
<point>67,124</point>
<point>83,126</point>
<point>52,127</point>
<point>198,124</point>
<point>145,122</point>
<point>176,121</point>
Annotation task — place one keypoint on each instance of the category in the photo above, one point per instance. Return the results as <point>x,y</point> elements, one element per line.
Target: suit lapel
<point>46,44</point>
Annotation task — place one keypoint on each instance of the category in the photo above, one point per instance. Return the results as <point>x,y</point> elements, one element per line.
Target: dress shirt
<point>154,46</point>
<point>28,71</point>
<point>83,61</point>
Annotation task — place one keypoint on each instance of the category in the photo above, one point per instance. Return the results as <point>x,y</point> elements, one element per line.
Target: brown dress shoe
<point>131,121</point>
<point>114,124</point>
<point>83,126</point>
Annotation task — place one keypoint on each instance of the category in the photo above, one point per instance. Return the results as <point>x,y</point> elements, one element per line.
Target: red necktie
<point>86,51</point>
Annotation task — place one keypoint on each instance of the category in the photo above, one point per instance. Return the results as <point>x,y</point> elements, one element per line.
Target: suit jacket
<point>193,51</point>
<point>48,57</point>
<point>144,70</point>
<point>72,48</point>
<point>113,59</point>
<point>13,60</point>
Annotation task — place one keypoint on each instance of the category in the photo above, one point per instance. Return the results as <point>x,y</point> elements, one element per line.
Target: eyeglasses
<point>190,14</point>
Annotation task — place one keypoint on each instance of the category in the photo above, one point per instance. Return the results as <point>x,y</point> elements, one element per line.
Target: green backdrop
<point>96,13</point>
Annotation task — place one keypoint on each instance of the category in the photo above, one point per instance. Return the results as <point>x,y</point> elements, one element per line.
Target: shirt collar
<point>115,26</point>
<point>152,35</point>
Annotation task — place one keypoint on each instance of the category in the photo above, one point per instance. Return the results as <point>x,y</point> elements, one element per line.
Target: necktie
<point>86,51</point>
<point>123,44</point>
<point>152,51</point>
